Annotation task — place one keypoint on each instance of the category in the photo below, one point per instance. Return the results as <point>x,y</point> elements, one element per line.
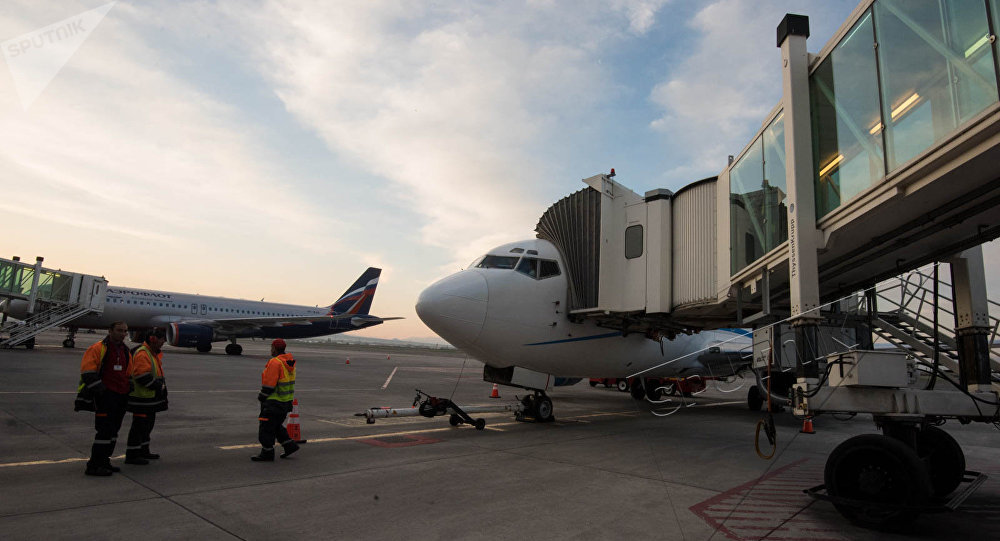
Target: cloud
<point>712,103</point>
<point>117,142</point>
<point>453,104</point>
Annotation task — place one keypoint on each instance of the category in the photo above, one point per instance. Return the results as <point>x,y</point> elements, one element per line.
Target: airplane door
<point>204,309</point>
<point>634,286</point>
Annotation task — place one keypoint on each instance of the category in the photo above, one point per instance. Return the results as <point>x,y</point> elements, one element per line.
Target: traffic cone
<point>294,430</point>
<point>348,361</point>
<point>496,392</point>
<point>807,426</point>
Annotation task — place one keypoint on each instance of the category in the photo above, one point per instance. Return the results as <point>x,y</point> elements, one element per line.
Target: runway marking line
<point>766,504</point>
<point>48,462</point>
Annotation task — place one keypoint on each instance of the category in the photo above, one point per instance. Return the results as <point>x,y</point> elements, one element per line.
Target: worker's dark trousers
<point>107,421</point>
<point>138,435</point>
<point>272,415</point>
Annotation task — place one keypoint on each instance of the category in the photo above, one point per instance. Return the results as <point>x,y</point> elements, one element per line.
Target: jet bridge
<point>54,297</point>
<point>880,159</point>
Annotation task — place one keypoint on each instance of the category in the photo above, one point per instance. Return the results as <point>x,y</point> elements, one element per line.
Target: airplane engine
<point>188,336</point>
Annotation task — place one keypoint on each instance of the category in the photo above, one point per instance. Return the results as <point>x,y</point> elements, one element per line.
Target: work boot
<point>290,447</point>
<point>99,471</point>
<point>144,453</point>
<point>134,457</point>
<point>266,455</point>
<point>114,469</point>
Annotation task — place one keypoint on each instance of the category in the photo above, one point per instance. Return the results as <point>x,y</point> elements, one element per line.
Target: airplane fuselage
<point>504,318</point>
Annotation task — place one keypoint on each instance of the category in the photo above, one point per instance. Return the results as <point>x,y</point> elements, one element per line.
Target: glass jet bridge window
<point>497,262</point>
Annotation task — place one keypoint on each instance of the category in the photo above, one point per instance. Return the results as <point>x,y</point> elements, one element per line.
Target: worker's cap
<point>158,332</point>
<point>278,343</point>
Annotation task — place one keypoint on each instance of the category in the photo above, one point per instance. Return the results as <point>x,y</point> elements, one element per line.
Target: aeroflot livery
<point>508,311</point>
<point>197,321</point>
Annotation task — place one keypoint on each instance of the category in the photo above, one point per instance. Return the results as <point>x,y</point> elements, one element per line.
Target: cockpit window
<point>497,262</point>
<point>475,262</point>
<point>517,250</point>
<point>548,268</point>
<point>528,266</point>
<point>538,269</point>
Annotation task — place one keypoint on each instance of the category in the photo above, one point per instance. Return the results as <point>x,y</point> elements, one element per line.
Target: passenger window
<point>497,262</point>
<point>548,268</point>
<point>633,242</point>
<point>528,266</point>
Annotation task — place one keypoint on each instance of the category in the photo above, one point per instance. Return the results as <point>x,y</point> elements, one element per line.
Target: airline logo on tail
<point>358,298</point>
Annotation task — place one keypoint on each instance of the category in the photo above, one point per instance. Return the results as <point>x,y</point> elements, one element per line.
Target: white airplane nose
<point>455,307</point>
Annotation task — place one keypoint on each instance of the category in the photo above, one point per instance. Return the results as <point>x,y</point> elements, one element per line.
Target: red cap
<point>279,343</point>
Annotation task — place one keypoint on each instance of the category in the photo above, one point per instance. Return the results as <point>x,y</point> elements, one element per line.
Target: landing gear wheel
<point>622,385</point>
<point>69,343</point>
<point>543,409</point>
<point>30,344</point>
<point>654,391</point>
<point>233,349</point>
<point>944,457</point>
<point>454,420</point>
<point>637,389</point>
<point>204,348</point>
<point>754,398</point>
<point>480,424</point>
<point>881,472</point>
<point>593,383</point>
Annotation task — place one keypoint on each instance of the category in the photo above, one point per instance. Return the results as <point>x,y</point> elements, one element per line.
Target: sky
<point>275,149</point>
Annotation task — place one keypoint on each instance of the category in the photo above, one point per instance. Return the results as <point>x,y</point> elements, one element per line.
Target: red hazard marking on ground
<point>769,507</point>
<point>399,441</point>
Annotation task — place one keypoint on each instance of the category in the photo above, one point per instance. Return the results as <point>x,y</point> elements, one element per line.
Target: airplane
<point>197,321</point>
<point>507,309</point>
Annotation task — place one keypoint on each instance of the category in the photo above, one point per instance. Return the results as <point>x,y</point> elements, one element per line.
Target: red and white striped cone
<point>294,430</point>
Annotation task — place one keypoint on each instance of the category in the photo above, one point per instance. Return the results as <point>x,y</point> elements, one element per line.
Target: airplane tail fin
<point>358,298</point>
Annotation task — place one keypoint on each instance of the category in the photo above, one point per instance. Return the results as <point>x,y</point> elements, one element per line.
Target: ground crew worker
<point>148,396</point>
<point>277,390</point>
<point>104,387</point>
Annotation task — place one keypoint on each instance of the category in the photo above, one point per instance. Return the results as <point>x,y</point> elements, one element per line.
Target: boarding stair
<point>901,311</point>
<point>19,332</point>
<point>54,297</point>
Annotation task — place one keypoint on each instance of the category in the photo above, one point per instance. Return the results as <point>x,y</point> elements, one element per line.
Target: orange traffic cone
<point>807,426</point>
<point>294,430</point>
<point>496,392</point>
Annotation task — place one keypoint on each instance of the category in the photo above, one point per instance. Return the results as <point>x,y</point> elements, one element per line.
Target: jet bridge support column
<point>34,285</point>
<point>803,239</point>
<point>972,319</point>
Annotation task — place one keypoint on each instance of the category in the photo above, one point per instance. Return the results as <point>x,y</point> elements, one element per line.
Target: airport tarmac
<point>609,467</point>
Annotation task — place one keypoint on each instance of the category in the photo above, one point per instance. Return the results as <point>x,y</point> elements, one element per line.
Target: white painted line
<point>388,379</point>
<point>47,462</point>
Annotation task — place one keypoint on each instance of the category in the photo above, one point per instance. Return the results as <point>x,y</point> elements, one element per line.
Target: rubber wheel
<point>593,383</point>
<point>622,385</point>
<point>30,344</point>
<point>944,458</point>
<point>754,398</point>
<point>877,469</point>
<point>454,420</point>
<point>69,343</point>
<point>654,390</point>
<point>204,348</point>
<point>637,390</point>
<point>480,424</point>
<point>543,409</point>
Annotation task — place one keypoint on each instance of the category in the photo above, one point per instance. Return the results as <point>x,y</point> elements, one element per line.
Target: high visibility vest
<point>284,391</point>
<point>139,390</point>
<point>96,370</point>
